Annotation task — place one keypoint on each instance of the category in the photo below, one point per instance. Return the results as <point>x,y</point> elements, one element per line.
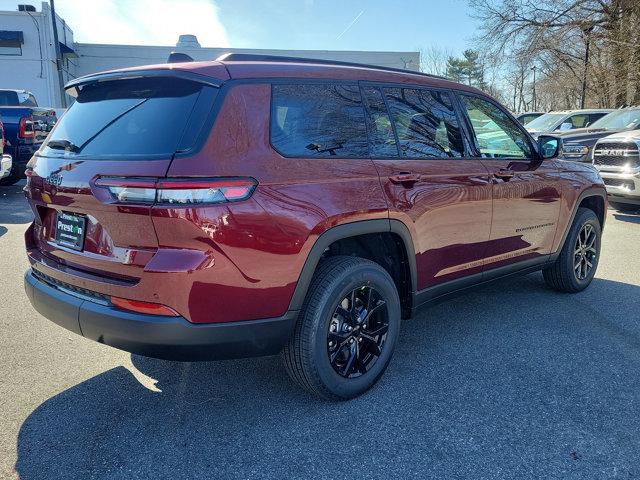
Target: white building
<point>28,55</point>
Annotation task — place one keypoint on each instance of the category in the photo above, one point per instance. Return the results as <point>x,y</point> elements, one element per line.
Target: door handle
<point>405,178</point>
<point>504,174</point>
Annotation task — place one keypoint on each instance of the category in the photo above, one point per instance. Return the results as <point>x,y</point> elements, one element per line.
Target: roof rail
<point>254,57</point>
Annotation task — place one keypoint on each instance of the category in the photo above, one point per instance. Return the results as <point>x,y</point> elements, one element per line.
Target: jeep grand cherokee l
<point>256,205</point>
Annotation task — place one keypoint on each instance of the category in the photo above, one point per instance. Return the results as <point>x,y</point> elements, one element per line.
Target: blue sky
<point>402,25</point>
<point>321,24</point>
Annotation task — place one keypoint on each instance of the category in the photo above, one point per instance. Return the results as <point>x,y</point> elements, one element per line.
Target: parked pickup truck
<point>25,127</point>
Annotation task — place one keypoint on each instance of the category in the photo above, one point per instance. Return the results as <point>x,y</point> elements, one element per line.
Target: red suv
<point>255,205</point>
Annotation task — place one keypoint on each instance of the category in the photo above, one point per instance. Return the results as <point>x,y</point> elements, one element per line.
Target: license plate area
<point>70,230</point>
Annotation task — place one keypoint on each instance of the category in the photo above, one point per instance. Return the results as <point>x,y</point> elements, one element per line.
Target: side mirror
<point>548,146</point>
<point>566,126</point>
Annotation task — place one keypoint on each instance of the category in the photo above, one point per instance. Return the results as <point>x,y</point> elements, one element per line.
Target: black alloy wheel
<point>357,332</point>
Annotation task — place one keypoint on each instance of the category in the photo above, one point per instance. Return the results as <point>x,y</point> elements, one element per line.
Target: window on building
<point>318,120</point>
<point>425,122</point>
<point>11,42</point>
<point>497,136</point>
<point>10,50</point>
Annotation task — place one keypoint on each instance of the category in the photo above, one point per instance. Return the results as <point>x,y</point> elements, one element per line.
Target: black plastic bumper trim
<point>170,338</point>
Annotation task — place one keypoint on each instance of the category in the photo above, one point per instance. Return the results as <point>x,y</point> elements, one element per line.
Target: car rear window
<point>8,98</point>
<point>144,116</point>
<point>318,120</point>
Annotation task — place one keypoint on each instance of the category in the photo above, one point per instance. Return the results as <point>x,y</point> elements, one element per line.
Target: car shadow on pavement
<point>14,208</point>
<point>536,384</point>
<point>627,217</point>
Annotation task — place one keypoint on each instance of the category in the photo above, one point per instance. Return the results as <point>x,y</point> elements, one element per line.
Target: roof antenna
<point>177,57</point>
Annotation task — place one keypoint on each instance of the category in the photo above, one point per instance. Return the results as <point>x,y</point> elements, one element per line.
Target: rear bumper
<point>24,153</point>
<point>171,338</point>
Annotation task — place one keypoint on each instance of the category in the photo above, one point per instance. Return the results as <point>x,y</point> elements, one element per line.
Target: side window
<point>382,141</point>
<point>425,122</point>
<point>578,121</point>
<point>318,120</point>
<point>595,116</point>
<point>497,136</point>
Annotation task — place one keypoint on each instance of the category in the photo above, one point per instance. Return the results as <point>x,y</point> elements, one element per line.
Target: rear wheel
<point>347,329</point>
<point>576,266</point>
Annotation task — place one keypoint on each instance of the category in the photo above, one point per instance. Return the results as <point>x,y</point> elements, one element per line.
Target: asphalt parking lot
<point>510,381</point>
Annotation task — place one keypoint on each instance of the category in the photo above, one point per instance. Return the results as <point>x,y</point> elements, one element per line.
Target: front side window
<point>496,135</point>
<point>578,121</point>
<point>425,122</point>
<point>318,120</point>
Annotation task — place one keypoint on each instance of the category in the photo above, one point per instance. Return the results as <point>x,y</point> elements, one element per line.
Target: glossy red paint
<point>242,260</point>
<point>448,211</point>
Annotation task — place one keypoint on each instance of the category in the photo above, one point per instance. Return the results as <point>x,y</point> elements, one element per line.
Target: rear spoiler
<point>74,87</point>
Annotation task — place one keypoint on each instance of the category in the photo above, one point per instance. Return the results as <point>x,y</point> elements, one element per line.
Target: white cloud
<point>143,22</point>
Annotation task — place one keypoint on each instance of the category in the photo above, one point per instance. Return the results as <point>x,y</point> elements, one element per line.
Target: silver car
<point>617,158</point>
<point>564,120</point>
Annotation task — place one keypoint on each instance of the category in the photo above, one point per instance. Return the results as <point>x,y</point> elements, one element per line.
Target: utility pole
<point>63,102</point>
<point>587,34</point>
<point>534,68</point>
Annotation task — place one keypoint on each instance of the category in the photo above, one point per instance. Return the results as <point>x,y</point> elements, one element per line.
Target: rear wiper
<point>319,149</point>
<point>63,145</point>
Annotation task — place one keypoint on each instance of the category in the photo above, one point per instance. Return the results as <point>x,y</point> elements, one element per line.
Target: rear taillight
<point>177,191</point>
<point>25,128</point>
<point>143,307</point>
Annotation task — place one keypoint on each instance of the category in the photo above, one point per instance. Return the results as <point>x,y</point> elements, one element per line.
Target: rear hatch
<point>118,129</point>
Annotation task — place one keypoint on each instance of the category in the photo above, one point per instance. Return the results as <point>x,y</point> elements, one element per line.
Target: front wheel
<point>576,265</point>
<point>347,329</point>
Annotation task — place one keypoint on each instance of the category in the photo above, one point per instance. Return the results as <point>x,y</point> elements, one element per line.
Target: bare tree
<point>589,49</point>
<point>433,60</point>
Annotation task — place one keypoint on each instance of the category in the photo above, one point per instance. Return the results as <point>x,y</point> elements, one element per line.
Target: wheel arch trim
<point>347,230</point>
<point>595,191</point>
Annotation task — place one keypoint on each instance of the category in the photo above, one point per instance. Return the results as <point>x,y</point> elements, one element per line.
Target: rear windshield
<point>145,116</point>
<point>10,98</point>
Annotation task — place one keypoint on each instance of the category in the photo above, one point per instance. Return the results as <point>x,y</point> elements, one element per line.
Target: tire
<point>309,353</point>
<point>14,177</point>
<point>563,275</point>
<point>624,207</point>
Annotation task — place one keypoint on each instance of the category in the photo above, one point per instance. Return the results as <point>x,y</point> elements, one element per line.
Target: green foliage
<point>468,69</point>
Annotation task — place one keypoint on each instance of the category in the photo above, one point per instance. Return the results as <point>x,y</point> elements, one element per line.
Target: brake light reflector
<point>25,128</point>
<point>144,307</point>
<point>204,191</point>
<point>178,191</point>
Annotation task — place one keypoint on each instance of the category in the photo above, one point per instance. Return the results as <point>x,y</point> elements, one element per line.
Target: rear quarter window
<point>132,117</point>
<point>318,120</point>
